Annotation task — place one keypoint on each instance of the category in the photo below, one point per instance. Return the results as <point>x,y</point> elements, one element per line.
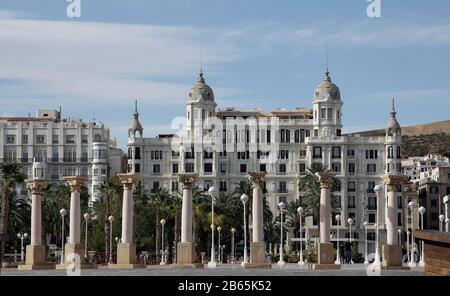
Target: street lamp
<point>218,243</point>
<point>350,223</point>
<point>412,262</point>
<point>22,237</point>
<point>366,258</point>
<point>233,231</point>
<point>421,261</point>
<point>111,220</point>
<point>338,220</point>
<point>407,247</point>
<point>163,261</point>
<point>300,212</point>
<point>86,219</point>
<point>447,223</point>
<point>377,262</point>
<point>441,222</point>
<point>63,213</point>
<point>212,263</point>
<point>244,199</point>
<point>282,207</point>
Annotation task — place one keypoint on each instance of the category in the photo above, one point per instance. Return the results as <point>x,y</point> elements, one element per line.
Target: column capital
<point>128,180</point>
<point>257,179</point>
<point>75,182</point>
<point>325,178</point>
<point>392,181</point>
<point>36,186</point>
<point>188,180</point>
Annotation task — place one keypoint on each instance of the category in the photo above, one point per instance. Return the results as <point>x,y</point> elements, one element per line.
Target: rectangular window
<point>370,187</point>
<point>351,187</point>
<point>400,202</point>
<point>282,168</point>
<point>55,139</point>
<point>351,152</point>
<point>207,168</point>
<point>10,139</point>
<point>243,168</point>
<point>302,168</point>
<point>156,169</point>
<point>223,186</point>
<point>155,186</point>
<point>24,139</point>
<point>434,203</point>
<point>336,152</point>
<point>317,152</point>
<point>223,168</point>
<point>351,168</point>
<point>24,156</point>
<point>399,219</point>
<point>262,167</point>
<point>371,218</point>
<point>137,168</point>
<point>175,168</point>
<point>70,139</point>
<point>336,167</point>
<point>351,202</point>
<point>372,203</point>
<point>282,187</point>
<point>84,139</point>
<point>174,185</point>
<point>189,167</point>
<point>371,168</point>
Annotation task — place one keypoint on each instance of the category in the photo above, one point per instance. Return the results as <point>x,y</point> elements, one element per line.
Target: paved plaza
<point>224,270</point>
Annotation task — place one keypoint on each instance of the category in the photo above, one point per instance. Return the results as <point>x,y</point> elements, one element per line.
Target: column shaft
<point>186,216</point>
<point>391,223</point>
<point>127,215</point>
<point>325,212</point>
<point>36,219</point>
<point>257,215</point>
<point>75,216</point>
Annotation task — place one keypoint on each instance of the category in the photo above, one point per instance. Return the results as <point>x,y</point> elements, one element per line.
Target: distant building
<point>417,168</point>
<point>66,147</point>
<point>431,193</point>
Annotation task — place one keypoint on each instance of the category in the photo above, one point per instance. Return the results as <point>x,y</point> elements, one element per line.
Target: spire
<point>200,76</point>
<point>393,106</point>
<point>135,124</point>
<point>135,109</point>
<point>393,127</point>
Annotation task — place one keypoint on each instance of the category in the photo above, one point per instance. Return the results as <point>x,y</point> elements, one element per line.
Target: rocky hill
<point>422,139</point>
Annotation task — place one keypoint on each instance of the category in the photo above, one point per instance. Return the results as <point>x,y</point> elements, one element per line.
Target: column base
<point>126,266</point>
<point>185,253</point>
<point>126,255</point>
<point>392,256</point>
<point>35,256</point>
<point>257,252</point>
<point>325,253</point>
<point>36,267</point>
<point>73,249</point>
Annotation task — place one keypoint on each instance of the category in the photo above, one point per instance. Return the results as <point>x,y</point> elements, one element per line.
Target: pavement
<point>222,270</point>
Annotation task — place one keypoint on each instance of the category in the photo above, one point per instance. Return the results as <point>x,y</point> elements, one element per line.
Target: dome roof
<point>393,127</point>
<point>327,90</point>
<point>201,91</point>
<point>135,125</point>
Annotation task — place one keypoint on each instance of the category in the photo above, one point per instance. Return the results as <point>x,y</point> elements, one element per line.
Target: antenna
<point>201,58</point>
<point>326,58</point>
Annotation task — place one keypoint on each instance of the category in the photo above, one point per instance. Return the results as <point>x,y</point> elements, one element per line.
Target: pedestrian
<point>348,252</point>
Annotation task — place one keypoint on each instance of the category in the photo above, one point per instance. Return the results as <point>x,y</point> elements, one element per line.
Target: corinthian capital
<point>325,179</point>
<point>392,182</point>
<point>75,182</point>
<point>128,180</point>
<point>257,179</point>
<point>36,186</point>
<point>188,180</point>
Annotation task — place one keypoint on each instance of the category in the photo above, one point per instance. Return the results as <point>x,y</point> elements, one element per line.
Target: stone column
<point>325,248</point>
<point>35,256</point>
<point>185,248</point>
<point>73,246</point>
<point>257,245</point>
<point>446,201</point>
<point>126,250</point>
<point>391,251</point>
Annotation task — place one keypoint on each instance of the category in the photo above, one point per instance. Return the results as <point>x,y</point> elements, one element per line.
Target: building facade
<point>417,168</point>
<point>224,145</point>
<point>64,147</point>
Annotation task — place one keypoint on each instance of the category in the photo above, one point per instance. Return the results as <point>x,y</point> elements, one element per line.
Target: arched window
<point>390,152</point>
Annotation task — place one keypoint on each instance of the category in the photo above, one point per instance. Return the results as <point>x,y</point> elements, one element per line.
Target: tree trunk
<point>107,246</point>
<point>5,216</point>
<point>158,236</point>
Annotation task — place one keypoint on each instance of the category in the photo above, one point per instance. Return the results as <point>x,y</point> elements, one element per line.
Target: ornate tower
<point>327,109</point>
<point>135,143</point>
<point>392,144</point>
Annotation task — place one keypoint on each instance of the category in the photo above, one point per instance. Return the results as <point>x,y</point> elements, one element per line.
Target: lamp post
<point>399,236</point>
<point>22,237</point>
<point>219,229</point>
<point>350,223</point>
<point>300,212</point>
<point>282,207</point>
<point>63,213</point>
<point>86,219</point>
<point>407,246</point>
<point>366,258</point>
<point>447,223</point>
<point>412,262</point>
<point>111,220</point>
<point>421,262</point>
<point>338,259</point>
<point>244,199</point>
<point>233,231</point>
<point>163,261</point>
<point>212,263</point>
<point>441,222</point>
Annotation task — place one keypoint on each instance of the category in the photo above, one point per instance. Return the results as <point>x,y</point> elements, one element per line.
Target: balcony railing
<point>281,190</point>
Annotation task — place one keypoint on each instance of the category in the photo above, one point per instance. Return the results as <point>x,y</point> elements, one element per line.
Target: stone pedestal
<point>392,257</point>
<point>126,257</point>
<point>325,257</point>
<point>35,258</point>
<point>257,256</point>
<point>185,256</point>
<point>74,257</point>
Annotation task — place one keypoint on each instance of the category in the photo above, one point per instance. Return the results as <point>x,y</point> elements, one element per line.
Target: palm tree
<point>10,177</point>
<point>108,188</point>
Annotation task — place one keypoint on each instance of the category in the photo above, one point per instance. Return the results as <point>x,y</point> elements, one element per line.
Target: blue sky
<point>255,53</point>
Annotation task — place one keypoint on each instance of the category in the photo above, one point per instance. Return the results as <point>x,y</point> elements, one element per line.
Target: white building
<point>282,143</point>
<point>66,147</point>
<point>417,168</point>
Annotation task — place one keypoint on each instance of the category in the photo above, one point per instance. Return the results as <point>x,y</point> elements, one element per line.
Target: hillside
<point>422,139</point>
